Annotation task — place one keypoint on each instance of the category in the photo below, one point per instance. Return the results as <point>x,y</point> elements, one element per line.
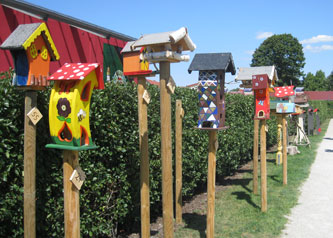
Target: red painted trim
<point>142,72</point>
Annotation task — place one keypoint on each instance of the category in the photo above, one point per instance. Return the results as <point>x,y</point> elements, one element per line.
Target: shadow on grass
<point>240,182</point>
<point>274,178</point>
<point>328,138</point>
<point>328,150</point>
<point>246,197</point>
<point>195,221</point>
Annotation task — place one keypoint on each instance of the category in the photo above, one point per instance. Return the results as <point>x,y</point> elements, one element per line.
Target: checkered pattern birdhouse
<point>212,68</point>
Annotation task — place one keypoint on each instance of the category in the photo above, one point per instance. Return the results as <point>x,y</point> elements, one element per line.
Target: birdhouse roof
<point>179,37</point>
<point>247,73</point>
<point>127,48</point>
<point>213,61</point>
<point>78,71</point>
<point>25,34</point>
<point>285,91</point>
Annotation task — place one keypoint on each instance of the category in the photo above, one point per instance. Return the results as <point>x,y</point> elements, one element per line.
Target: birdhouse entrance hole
<point>207,124</point>
<point>65,133</point>
<point>84,139</point>
<point>261,114</point>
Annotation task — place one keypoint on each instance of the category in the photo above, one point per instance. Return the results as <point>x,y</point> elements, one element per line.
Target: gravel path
<point>312,217</point>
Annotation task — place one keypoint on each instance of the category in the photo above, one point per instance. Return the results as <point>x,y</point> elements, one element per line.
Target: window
<point>86,91</point>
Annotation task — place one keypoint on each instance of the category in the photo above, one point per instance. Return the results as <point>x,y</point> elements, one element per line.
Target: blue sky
<point>237,26</point>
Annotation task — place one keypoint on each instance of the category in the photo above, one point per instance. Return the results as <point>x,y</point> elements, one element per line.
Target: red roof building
<point>319,95</point>
<point>75,40</point>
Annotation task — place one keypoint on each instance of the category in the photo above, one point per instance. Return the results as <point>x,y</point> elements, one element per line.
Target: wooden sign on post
<point>34,115</point>
<point>78,177</point>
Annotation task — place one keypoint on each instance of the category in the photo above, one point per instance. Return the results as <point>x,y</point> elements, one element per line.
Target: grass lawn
<point>237,210</point>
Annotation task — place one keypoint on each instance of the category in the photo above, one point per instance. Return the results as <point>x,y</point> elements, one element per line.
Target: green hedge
<point>110,196</point>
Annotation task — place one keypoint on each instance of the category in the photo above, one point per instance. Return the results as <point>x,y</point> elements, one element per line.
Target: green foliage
<point>330,82</point>
<point>286,53</point>
<point>316,82</point>
<point>110,196</point>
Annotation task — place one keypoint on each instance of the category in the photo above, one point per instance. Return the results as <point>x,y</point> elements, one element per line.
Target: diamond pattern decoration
<point>207,90</point>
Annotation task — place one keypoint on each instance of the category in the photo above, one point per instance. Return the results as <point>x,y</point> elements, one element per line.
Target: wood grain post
<point>29,167</point>
<point>212,148</point>
<point>166,151</point>
<point>279,142</point>
<point>255,156</point>
<point>285,165</point>
<point>144,159</point>
<point>179,134</point>
<point>71,196</point>
<point>263,166</point>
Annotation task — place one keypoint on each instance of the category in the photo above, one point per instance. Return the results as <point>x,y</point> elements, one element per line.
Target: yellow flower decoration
<point>44,53</point>
<point>33,51</point>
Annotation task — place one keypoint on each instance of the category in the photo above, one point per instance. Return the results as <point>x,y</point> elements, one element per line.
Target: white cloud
<point>317,39</point>
<point>264,35</point>
<point>249,52</point>
<point>316,49</point>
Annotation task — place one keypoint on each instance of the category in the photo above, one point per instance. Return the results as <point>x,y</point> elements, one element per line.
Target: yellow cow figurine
<point>70,103</point>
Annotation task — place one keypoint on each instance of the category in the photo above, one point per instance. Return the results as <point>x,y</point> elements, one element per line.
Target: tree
<point>330,82</point>
<point>317,82</point>
<point>286,53</point>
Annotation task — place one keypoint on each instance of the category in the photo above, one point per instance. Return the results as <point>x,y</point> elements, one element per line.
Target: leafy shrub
<point>110,196</point>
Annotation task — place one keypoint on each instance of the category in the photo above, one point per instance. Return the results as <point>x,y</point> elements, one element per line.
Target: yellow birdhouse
<point>70,103</point>
<point>32,49</point>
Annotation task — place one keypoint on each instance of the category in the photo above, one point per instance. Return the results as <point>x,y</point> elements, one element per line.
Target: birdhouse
<point>165,46</point>
<point>70,103</point>
<point>260,86</point>
<point>284,94</point>
<point>212,69</point>
<point>134,63</point>
<point>245,75</point>
<point>32,49</point>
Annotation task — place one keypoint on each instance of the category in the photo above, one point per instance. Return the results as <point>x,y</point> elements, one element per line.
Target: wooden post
<point>29,167</point>
<point>144,165</point>
<point>212,148</point>
<point>279,142</point>
<point>179,133</point>
<point>263,166</point>
<point>284,129</point>
<point>166,150</point>
<point>71,196</point>
<point>255,156</point>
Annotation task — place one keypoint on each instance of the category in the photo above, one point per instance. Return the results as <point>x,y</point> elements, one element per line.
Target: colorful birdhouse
<point>32,49</point>
<point>260,86</point>
<point>284,94</point>
<point>133,61</point>
<point>212,69</point>
<point>70,103</point>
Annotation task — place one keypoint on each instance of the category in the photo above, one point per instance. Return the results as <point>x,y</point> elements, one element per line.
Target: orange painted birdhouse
<point>260,86</point>
<point>133,62</point>
<point>32,49</point>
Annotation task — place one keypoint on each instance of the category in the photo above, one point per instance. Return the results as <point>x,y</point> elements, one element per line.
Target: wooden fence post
<point>279,142</point>
<point>179,132</point>
<point>29,167</point>
<point>255,156</point>
<point>166,150</point>
<point>212,148</point>
<point>285,165</point>
<point>71,195</point>
<point>144,159</point>
<point>263,166</point>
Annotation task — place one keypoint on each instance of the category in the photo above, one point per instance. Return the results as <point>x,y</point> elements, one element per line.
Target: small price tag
<point>266,128</point>
<point>146,96</point>
<point>78,177</point>
<point>171,85</point>
<point>216,145</point>
<point>182,113</point>
<point>34,115</point>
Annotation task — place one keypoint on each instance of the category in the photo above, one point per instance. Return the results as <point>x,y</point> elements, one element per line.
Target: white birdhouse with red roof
<point>285,105</point>
<point>70,103</point>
